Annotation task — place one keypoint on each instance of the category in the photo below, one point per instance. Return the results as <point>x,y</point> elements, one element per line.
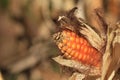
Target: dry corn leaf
<point>77,65</point>
<point>111,59</point>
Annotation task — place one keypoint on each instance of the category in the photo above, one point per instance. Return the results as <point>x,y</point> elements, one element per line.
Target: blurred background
<point>26,28</point>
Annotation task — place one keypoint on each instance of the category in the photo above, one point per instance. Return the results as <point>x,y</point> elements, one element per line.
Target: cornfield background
<point>26,27</point>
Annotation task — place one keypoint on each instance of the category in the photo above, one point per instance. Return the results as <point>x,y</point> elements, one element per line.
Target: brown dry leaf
<point>92,36</point>
<point>111,61</point>
<point>77,76</point>
<point>77,66</point>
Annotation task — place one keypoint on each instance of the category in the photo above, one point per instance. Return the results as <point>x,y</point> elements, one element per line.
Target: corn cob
<point>77,48</point>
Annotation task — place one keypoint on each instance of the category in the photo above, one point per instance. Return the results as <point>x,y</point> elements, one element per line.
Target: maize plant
<point>82,46</point>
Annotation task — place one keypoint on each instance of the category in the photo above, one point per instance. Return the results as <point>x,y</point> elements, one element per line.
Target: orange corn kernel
<point>78,48</point>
